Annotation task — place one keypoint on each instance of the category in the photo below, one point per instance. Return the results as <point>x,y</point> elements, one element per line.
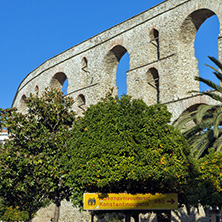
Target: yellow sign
<point>124,201</point>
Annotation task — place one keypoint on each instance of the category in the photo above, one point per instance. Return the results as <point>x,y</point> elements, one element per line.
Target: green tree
<point>209,181</point>
<point>30,172</point>
<point>205,123</point>
<point>123,145</point>
<point>1,112</point>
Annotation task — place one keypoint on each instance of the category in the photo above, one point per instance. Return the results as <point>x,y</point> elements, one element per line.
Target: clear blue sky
<point>33,31</point>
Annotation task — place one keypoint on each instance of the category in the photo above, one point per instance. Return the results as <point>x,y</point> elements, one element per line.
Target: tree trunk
<point>188,213</point>
<point>57,212</point>
<point>92,216</point>
<point>127,218</point>
<point>206,209</point>
<point>136,217</point>
<point>30,216</point>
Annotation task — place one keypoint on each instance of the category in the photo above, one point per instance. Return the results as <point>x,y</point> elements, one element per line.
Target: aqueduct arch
<point>58,80</point>
<point>111,62</point>
<point>161,39</point>
<point>23,104</point>
<point>152,86</point>
<point>187,34</point>
<point>154,44</point>
<point>192,23</point>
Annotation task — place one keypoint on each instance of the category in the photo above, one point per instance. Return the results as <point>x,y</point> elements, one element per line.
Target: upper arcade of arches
<point>161,37</point>
<point>107,35</point>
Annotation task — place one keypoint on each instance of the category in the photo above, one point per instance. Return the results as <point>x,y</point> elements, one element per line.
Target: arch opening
<point>81,102</point>
<point>190,36</point>
<point>115,66</point>
<point>65,87</point>
<point>36,89</point>
<point>155,46</point>
<point>121,76</point>
<point>210,30</point>
<point>152,86</point>
<point>23,106</point>
<point>59,81</point>
<point>192,23</point>
<point>84,64</point>
<point>85,73</point>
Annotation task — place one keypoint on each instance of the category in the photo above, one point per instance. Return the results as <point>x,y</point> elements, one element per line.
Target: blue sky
<point>33,31</point>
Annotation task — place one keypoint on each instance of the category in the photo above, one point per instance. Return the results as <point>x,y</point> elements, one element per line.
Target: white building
<point>3,135</point>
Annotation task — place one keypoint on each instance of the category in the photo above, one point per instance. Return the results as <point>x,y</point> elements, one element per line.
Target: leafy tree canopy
<point>209,181</point>
<point>123,145</point>
<point>30,171</point>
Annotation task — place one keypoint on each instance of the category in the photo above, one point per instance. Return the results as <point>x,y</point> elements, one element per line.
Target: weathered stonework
<point>160,39</point>
<point>160,43</point>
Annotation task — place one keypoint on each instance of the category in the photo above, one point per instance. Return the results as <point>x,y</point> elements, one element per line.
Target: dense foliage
<point>209,181</point>
<point>202,128</point>
<point>1,123</point>
<point>123,145</point>
<point>8,213</point>
<point>31,174</point>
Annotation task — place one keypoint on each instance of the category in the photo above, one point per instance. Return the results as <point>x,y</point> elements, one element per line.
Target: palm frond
<point>202,143</point>
<point>211,67</point>
<point>199,149</point>
<point>209,83</point>
<point>216,62</point>
<point>217,122</point>
<point>218,75</point>
<point>195,133</point>
<point>199,130</point>
<point>217,145</point>
<point>201,112</point>
<point>180,125</point>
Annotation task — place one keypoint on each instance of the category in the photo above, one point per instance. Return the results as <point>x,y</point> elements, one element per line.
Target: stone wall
<point>70,214</point>
<point>160,42</point>
<point>67,214</point>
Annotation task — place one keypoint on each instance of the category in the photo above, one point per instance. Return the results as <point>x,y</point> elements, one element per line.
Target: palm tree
<point>207,130</point>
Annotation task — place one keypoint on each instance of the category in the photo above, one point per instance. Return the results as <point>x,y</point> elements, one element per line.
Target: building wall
<point>3,135</point>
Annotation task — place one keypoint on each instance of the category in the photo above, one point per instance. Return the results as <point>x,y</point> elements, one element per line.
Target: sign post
<point>127,219</point>
<point>92,216</point>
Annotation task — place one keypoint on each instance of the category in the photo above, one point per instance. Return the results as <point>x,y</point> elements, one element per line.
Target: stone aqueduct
<point>160,43</point>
